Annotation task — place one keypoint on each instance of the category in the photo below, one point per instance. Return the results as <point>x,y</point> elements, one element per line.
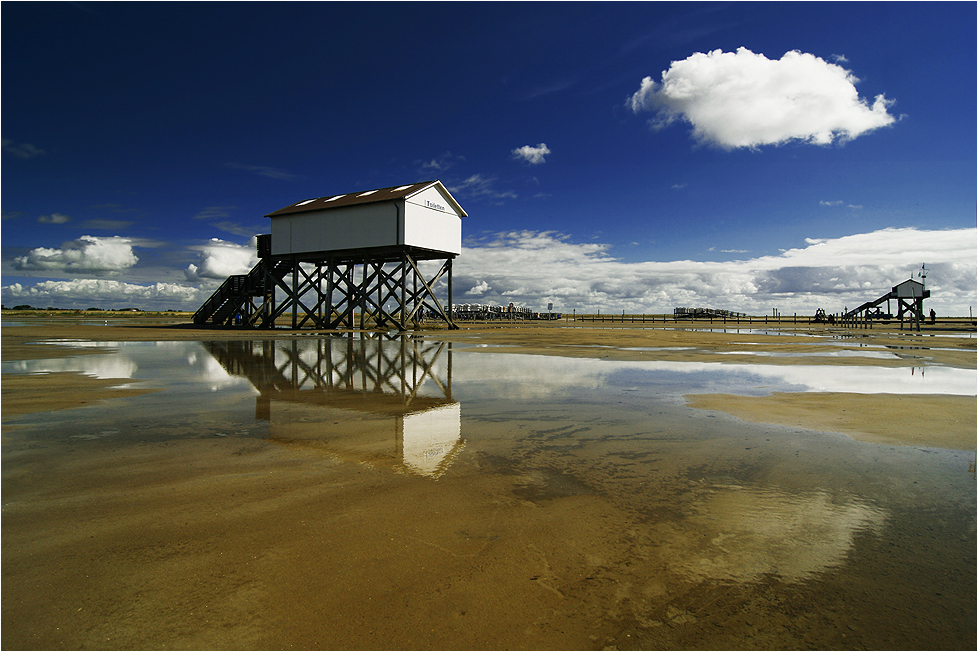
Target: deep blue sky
<point>169,124</point>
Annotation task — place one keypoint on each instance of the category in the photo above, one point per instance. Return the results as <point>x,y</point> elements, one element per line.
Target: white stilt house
<point>909,296</point>
<point>349,258</point>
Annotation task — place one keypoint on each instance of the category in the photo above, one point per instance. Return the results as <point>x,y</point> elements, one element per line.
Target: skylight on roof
<point>335,198</point>
<point>364,194</point>
<point>303,203</point>
<point>402,188</point>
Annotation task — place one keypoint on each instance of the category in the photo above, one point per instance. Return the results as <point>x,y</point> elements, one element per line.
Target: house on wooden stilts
<point>349,261</point>
<point>909,296</point>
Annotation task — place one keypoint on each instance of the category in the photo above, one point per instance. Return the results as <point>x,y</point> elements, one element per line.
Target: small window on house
<point>335,198</point>
<point>364,194</point>
<point>402,188</point>
<point>303,203</point>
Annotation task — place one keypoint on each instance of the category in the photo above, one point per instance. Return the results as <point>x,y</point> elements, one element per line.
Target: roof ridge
<point>403,191</point>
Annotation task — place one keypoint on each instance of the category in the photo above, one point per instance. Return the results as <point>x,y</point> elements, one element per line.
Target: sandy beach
<point>570,513</point>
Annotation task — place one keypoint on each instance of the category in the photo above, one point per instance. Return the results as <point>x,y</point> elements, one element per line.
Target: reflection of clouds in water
<point>173,362</point>
<point>744,534</point>
<point>515,375</point>
<point>853,379</point>
<point>100,366</point>
<point>526,376</point>
<point>209,371</point>
<point>879,355</point>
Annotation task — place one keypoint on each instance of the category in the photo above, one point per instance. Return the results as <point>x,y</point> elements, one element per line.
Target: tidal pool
<point>375,492</point>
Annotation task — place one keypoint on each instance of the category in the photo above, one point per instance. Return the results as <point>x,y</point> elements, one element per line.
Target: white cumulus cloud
<point>532,155</point>
<point>108,293</point>
<point>87,254</point>
<point>219,259</point>
<point>742,99</point>
<point>534,268</point>
<point>479,289</point>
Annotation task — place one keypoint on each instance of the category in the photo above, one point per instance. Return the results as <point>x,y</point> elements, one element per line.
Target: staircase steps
<point>237,290</point>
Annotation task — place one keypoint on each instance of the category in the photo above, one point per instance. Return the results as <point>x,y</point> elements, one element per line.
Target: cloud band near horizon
<point>533,268</point>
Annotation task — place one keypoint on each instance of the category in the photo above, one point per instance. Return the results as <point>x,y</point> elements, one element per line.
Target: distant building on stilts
<point>909,296</point>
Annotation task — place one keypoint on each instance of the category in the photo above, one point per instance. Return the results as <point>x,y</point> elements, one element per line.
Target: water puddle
<point>392,492</point>
<point>879,355</point>
<point>534,374</point>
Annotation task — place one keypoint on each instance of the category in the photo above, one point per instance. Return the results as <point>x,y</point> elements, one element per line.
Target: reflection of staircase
<point>235,294</point>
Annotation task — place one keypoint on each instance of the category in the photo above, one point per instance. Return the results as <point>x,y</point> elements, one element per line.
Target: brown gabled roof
<point>358,197</point>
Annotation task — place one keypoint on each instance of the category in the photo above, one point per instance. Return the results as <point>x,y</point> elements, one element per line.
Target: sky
<point>636,156</point>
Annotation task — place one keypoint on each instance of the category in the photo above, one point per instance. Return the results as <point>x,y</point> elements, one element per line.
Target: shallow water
<point>399,493</point>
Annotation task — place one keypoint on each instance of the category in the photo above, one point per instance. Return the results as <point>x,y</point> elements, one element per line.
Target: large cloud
<point>743,99</point>
<point>219,259</point>
<point>534,268</point>
<point>87,254</point>
<point>106,293</point>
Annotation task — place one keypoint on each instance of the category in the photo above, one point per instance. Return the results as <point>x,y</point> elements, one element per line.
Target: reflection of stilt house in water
<point>345,260</point>
<point>909,296</point>
<point>368,400</point>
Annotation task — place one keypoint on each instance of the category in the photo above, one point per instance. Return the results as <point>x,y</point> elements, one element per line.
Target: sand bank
<point>914,420</point>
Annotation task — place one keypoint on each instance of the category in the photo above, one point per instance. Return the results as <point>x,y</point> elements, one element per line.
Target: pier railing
<point>753,320</point>
<point>690,319</point>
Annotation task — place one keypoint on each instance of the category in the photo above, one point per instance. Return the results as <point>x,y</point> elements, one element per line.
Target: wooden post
<point>450,298</point>
<point>295,285</point>
<point>402,286</point>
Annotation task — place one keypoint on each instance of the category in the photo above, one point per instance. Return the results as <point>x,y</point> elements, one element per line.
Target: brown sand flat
<point>916,420</point>
<point>628,342</point>
<point>29,394</point>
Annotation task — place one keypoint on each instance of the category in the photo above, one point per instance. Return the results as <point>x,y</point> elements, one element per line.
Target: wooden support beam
<point>336,292</point>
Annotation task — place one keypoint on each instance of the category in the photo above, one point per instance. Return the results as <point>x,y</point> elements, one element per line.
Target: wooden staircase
<point>234,302</point>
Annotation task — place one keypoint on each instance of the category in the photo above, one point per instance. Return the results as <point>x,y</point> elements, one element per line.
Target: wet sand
<point>568,525</point>
<point>909,420</point>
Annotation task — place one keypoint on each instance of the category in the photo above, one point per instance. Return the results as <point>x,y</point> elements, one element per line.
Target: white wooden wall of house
<point>426,219</point>
<point>431,222</point>
<point>909,290</point>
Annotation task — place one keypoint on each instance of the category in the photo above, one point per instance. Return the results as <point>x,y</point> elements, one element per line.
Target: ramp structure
<point>348,261</point>
<point>909,296</point>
